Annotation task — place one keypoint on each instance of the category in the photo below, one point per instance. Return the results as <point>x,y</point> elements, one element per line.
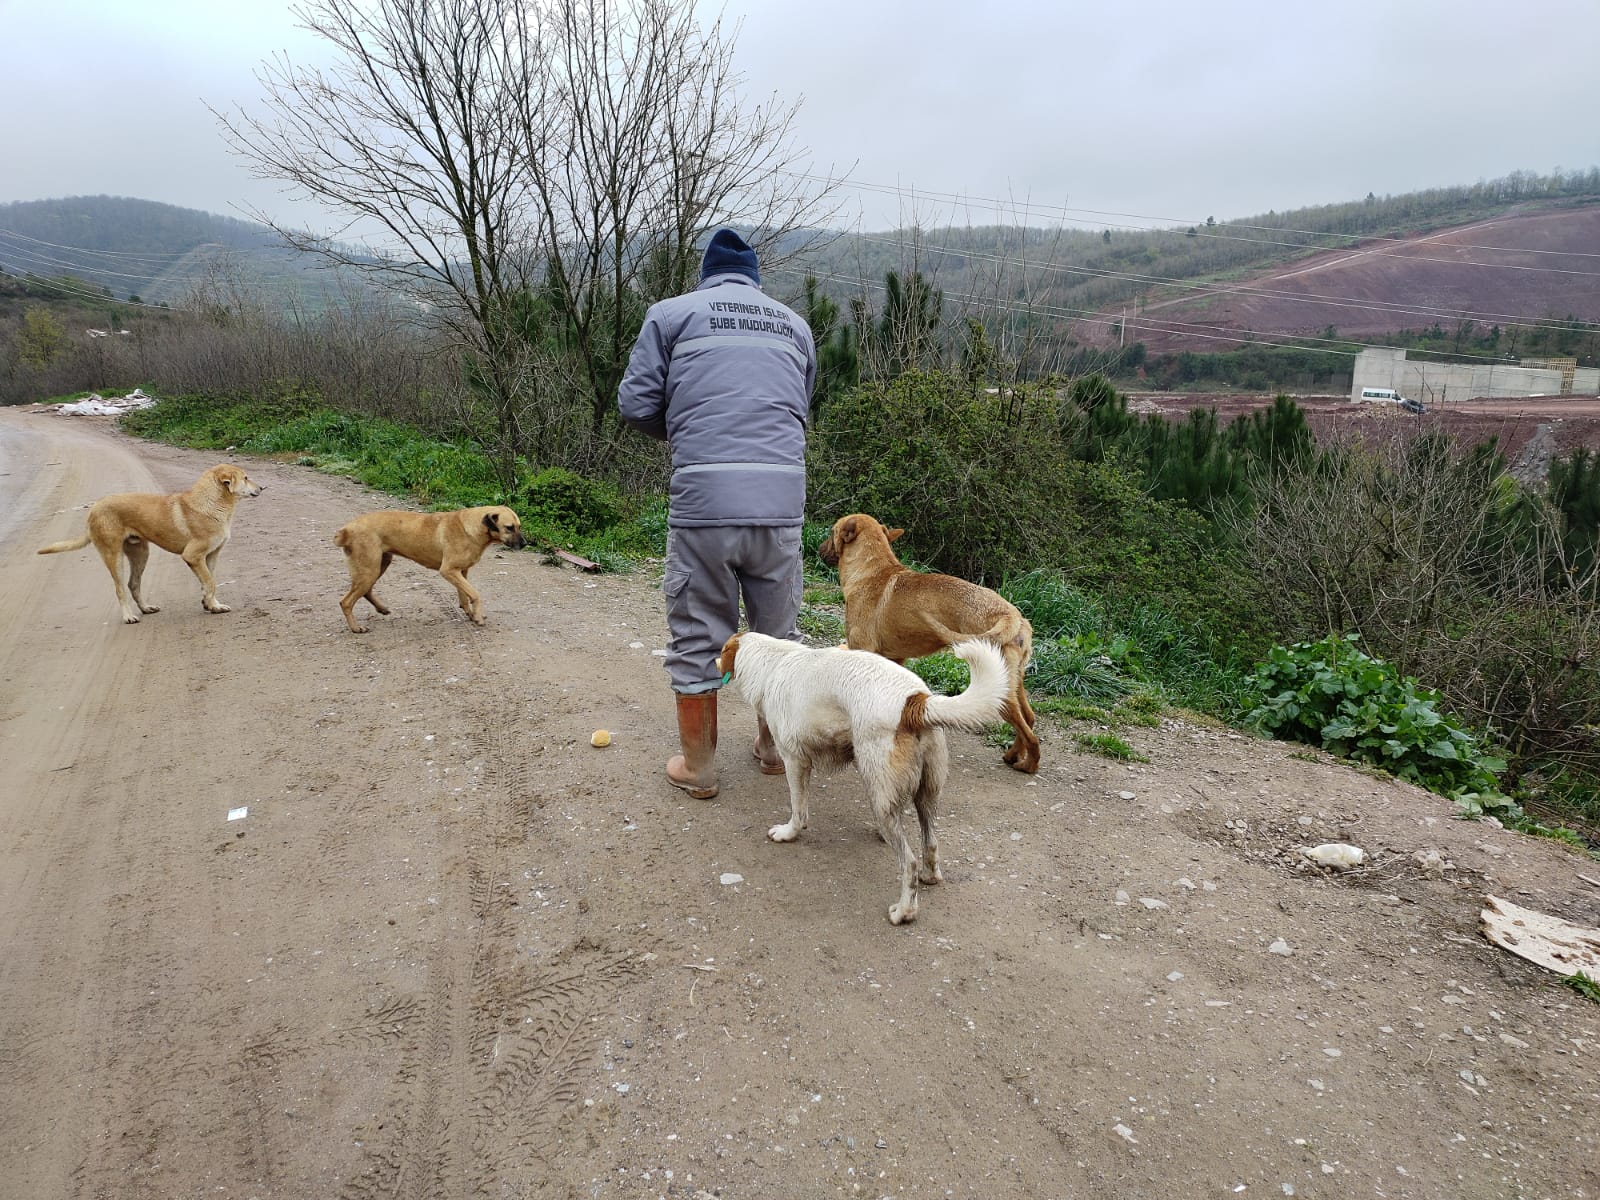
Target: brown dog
<point>450,543</point>
<point>193,525</point>
<point>900,614</point>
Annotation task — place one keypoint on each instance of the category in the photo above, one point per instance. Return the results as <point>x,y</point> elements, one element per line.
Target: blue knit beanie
<point>729,253</point>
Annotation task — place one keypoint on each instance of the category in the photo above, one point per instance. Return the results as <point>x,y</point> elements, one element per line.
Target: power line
<point>1311,344</point>
<point>1092,317</point>
<point>1214,290</point>
<point>1200,229</point>
<point>164,256</point>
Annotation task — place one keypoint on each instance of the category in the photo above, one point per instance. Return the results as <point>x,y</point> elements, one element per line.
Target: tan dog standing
<point>450,543</point>
<point>900,614</point>
<point>193,525</point>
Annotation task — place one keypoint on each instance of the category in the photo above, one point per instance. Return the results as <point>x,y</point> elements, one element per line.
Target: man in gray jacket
<point>724,375</point>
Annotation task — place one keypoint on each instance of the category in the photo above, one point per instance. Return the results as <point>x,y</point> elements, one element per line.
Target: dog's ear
<point>847,531</point>
<point>229,479</point>
<point>894,535</point>
<point>491,522</point>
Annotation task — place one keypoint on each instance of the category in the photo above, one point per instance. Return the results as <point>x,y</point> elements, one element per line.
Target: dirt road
<point>452,950</point>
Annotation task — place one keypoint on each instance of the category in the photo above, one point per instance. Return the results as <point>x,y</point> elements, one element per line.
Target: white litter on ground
<point>106,406</point>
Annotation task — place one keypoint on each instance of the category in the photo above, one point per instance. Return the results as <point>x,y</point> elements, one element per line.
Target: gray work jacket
<point>724,375</point>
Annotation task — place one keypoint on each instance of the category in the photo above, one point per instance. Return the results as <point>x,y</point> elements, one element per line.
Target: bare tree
<point>540,171</point>
<point>649,147</point>
<point>413,134</point>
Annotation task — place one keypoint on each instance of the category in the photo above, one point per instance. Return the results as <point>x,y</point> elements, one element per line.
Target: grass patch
<point>1110,746</point>
<point>1103,653</point>
<point>559,509</point>
<point>1143,708</point>
<point>821,625</point>
<point>942,672</point>
<point>1584,986</point>
<point>1071,708</point>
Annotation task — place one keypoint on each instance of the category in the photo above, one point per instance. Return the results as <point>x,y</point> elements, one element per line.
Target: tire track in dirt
<point>506,1043</point>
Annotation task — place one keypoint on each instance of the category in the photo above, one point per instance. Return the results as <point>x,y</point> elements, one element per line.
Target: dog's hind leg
<point>111,553</point>
<point>1023,753</point>
<point>372,596</point>
<point>362,577</point>
<point>889,803</point>
<point>799,773</point>
<point>138,552</point>
<point>935,768</point>
<point>904,909</point>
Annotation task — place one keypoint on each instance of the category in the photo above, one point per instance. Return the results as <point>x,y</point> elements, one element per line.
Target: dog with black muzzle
<point>450,543</point>
<point>833,706</point>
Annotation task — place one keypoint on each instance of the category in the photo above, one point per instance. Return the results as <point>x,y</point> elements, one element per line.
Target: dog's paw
<point>130,618</point>
<point>217,608</point>
<point>900,914</point>
<point>358,629</point>
<point>930,873</point>
<point>149,608</point>
<point>787,832</point>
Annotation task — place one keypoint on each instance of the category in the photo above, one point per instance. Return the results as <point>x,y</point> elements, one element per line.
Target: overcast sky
<point>1155,109</point>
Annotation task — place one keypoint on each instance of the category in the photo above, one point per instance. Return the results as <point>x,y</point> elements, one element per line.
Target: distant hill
<point>1518,247</point>
<point>1534,264</point>
<point>1500,251</point>
<point>157,252</point>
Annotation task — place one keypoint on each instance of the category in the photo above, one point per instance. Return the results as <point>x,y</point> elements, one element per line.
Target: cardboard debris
<point>583,564</point>
<point>1552,943</point>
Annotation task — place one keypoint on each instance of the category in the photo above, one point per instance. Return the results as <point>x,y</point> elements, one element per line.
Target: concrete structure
<point>1439,383</point>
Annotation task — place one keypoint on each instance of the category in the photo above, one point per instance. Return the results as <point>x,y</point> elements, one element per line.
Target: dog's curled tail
<point>974,709</point>
<point>58,547</point>
<point>342,540</point>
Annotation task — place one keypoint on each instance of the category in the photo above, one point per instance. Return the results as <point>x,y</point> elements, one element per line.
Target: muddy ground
<point>449,949</point>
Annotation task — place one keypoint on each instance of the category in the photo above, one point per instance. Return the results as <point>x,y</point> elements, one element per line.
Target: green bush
<point>988,485</point>
<point>1331,694</point>
<point>566,503</point>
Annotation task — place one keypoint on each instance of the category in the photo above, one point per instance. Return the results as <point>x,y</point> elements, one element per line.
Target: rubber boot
<point>766,753</point>
<point>695,770</point>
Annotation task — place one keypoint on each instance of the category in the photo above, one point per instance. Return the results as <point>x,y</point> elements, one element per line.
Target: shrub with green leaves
<point>563,501</point>
<point>1331,694</point>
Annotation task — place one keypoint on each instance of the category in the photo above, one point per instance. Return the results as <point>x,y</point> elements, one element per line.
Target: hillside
<point>157,253</point>
<point>1530,265</point>
<point>1496,253</point>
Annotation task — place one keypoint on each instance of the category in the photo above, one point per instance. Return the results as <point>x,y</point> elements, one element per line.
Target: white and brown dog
<point>827,707</point>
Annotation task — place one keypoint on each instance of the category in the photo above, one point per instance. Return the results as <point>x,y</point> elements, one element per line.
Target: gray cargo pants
<point>708,570</point>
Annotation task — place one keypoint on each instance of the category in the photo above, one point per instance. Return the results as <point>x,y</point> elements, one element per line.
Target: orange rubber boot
<point>695,770</point>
